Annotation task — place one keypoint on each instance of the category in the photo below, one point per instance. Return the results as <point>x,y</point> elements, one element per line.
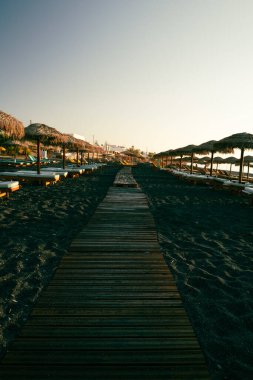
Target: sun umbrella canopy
<point>248,159</point>
<point>184,150</point>
<point>10,127</point>
<point>72,143</point>
<point>230,160</point>
<point>44,133</point>
<point>204,159</point>
<point>218,160</point>
<point>132,154</point>
<point>238,140</point>
<point>88,147</point>
<point>205,147</point>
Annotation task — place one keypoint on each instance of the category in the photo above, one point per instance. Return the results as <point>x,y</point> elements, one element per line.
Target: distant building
<point>114,148</point>
<point>77,136</point>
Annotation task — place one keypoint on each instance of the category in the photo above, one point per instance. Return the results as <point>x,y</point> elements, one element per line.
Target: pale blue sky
<point>156,74</point>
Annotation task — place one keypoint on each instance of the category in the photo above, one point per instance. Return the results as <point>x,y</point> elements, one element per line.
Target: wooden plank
<point>107,332</point>
<point>177,319</point>
<point>105,372</point>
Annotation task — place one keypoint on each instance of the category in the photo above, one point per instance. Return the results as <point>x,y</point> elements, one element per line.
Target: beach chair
<point>44,179</point>
<point>7,187</point>
<point>248,191</point>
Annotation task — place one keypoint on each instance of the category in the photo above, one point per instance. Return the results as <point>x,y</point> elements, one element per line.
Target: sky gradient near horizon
<point>155,74</point>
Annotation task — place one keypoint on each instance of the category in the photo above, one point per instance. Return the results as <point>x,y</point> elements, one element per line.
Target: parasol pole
<point>241,166</point>
<point>38,155</point>
<point>77,156</point>
<point>81,157</point>
<point>191,162</point>
<point>63,156</point>
<point>211,168</point>
<point>230,169</point>
<point>180,165</point>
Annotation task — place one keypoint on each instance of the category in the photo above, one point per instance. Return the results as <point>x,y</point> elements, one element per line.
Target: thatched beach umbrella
<point>10,127</point>
<point>72,144</point>
<point>204,161</point>
<point>42,133</point>
<point>240,141</point>
<point>209,147</point>
<point>218,160</point>
<point>161,156</point>
<point>230,160</point>
<point>134,155</point>
<point>16,144</point>
<point>171,153</point>
<point>186,150</point>
<point>89,148</point>
<point>248,160</point>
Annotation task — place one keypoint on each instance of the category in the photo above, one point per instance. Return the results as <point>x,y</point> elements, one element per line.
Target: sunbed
<point>7,187</point>
<point>44,179</point>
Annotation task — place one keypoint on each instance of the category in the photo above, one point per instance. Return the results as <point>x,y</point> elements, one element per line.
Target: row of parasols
<point>242,141</point>
<point>12,130</point>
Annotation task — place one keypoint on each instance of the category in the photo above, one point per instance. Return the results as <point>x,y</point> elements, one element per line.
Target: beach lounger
<point>70,172</point>
<point>61,172</point>
<point>7,187</point>
<point>74,172</point>
<point>248,191</point>
<point>44,179</point>
<point>89,168</point>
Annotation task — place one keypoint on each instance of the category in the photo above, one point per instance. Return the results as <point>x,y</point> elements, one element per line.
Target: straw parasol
<point>10,127</point>
<point>133,154</point>
<point>230,160</point>
<point>218,160</point>
<point>248,160</point>
<point>209,147</point>
<point>240,141</point>
<point>73,144</point>
<point>160,156</point>
<point>205,160</point>
<point>185,150</point>
<point>42,133</point>
<point>16,144</point>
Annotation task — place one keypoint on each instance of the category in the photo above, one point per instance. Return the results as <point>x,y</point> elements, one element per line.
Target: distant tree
<point>134,151</point>
<point>151,154</point>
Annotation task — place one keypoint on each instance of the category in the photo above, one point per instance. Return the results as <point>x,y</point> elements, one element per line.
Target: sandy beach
<point>205,235</point>
<point>207,239</point>
<point>37,225</point>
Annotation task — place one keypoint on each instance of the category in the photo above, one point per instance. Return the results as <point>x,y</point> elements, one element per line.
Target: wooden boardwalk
<point>112,310</point>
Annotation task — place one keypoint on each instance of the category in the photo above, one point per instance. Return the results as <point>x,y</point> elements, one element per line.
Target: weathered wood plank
<point>170,321</point>
<point>107,332</point>
<point>105,372</point>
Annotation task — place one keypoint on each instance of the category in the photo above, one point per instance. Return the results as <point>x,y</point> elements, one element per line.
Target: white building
<point>77,136</point>
<point>114,148</point>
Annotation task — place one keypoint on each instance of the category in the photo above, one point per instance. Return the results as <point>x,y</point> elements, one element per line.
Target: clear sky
<point>156,74</point>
